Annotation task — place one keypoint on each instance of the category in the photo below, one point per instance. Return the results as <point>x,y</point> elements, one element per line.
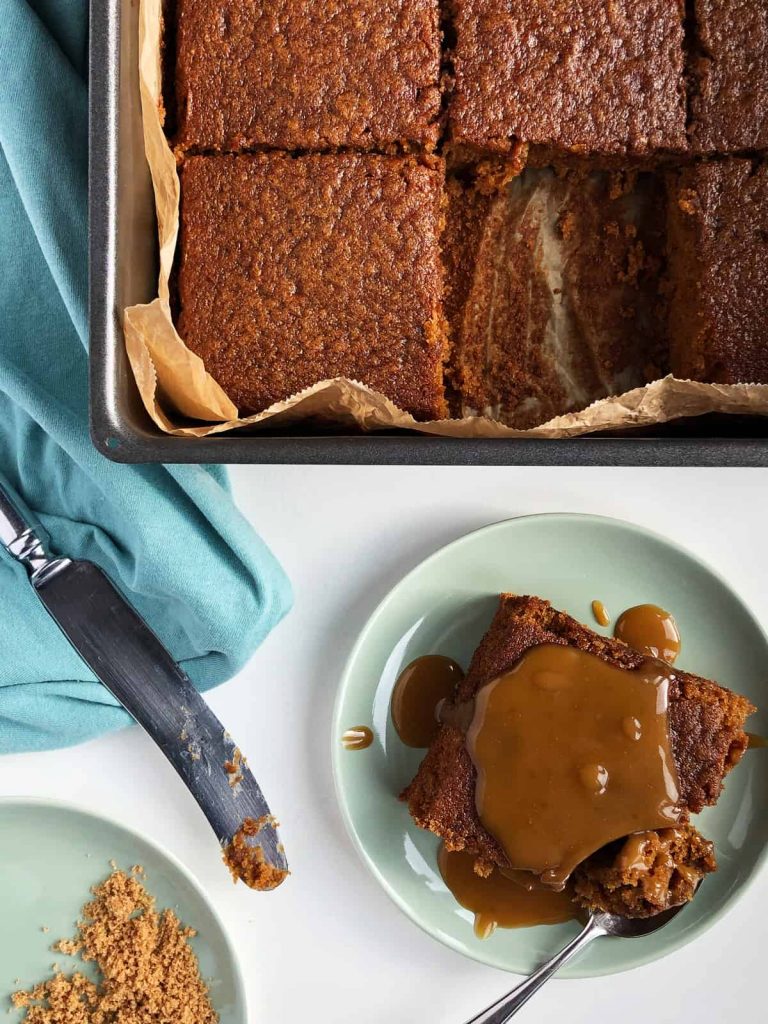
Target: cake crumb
<point>246,861</point>
<point>234,769</point>
<point>148,973</point>
<point>67,946</point>
<point>567,225</point>
<point>492,173</point>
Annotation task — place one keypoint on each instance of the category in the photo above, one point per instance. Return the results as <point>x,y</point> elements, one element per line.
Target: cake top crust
<point>292,74</point>
<point>729,86</point>
<point>576,74</point>
<point>298,269</point>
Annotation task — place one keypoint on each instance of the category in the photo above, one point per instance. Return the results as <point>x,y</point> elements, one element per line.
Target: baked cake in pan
<point>553,291</point>
<point>588,178</point>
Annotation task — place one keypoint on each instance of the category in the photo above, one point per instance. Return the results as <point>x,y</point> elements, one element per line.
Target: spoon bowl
<point>633,927</point>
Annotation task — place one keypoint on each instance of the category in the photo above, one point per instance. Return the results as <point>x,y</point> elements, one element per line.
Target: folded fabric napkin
<point>169,536</point>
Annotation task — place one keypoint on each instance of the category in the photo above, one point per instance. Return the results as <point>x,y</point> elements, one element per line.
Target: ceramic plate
<point>443,607</point>
<point>50,856</point>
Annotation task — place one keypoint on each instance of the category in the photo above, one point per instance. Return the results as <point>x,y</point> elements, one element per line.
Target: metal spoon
<point>597,925</point>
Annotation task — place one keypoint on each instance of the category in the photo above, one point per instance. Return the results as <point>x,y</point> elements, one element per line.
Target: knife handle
<point>23,543</point>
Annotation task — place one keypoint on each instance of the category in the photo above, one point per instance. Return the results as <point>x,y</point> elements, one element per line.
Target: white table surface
<point>329,947</point>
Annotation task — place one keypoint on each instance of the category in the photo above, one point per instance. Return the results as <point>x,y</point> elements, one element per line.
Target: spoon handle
<point>506,1007</point>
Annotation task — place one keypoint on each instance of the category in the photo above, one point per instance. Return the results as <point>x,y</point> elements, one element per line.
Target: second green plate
<point>50,856</point>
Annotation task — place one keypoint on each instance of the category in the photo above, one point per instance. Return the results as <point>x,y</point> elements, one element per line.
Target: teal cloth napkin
<point>169,536</point>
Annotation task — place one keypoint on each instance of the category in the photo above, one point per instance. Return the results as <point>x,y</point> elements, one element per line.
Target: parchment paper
<point>175,386</point>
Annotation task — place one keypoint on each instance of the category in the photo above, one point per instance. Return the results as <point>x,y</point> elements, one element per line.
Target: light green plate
<point>50,856</point>
<point>444,606</point>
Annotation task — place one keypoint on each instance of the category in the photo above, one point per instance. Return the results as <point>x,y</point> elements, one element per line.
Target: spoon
<point>598,925</point>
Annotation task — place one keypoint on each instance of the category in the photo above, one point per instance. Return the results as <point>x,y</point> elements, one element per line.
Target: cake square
<point>706,726</point>
<point>729,94</point>
<point>718,222</point>
<point>292,74</point>
<point>553,291</point>
<point>298,269</point>
<point>579,75</point>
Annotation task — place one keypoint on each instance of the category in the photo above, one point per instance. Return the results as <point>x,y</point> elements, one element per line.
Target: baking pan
<point>123,271</point>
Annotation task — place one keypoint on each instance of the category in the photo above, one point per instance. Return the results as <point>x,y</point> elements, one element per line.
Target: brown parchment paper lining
<point>175,386</point>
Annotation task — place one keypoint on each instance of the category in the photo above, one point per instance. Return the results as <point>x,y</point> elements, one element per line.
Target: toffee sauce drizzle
<point>588,746</point>
<point>619,779</point>
<point>359,737</point>
<point>600,612</point>
<point>499,900</point>
<point>650,630</point>
<point>419,692</point>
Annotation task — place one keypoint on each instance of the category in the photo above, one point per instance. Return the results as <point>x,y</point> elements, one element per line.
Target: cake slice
<point>718,264</point>
<point>579,75</point>
<point>294,269</point>
<point>707,736</point>
<point>295,74</point>
<point>728,91</point>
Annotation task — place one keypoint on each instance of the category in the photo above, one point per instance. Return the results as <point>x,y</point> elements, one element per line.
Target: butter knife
<point>123,652</point>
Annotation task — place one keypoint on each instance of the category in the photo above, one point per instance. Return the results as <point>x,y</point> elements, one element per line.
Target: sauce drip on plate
<point>650,630</point>
<point>359,737</point>
<point>499,900</point>
<point>419,691</point>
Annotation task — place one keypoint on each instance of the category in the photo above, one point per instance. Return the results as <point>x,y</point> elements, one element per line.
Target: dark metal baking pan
<point>123,270</point>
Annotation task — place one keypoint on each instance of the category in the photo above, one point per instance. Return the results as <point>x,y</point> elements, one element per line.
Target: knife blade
<point>129,659</point>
